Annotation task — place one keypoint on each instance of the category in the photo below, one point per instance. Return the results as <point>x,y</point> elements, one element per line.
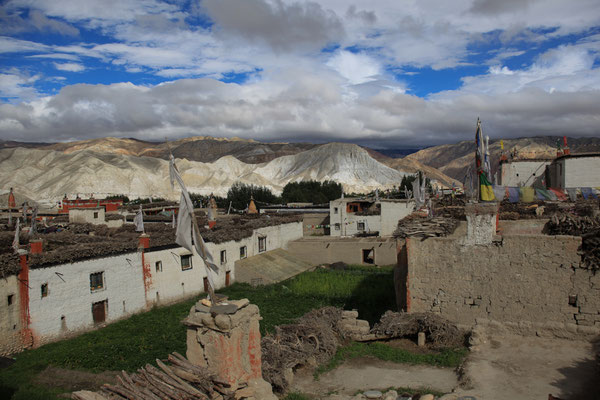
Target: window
<point>96,281</point>
<point>44,290</point>
<point>262,244</point>
<point>242,252</point>
<point>95,214</point>
<point>337,227</point>
<point>186,262</point>
<point>223,257</point>
<point>158,266</point>
<point>335,210</point>
<point>360,226</point>
<point>205,282</point>
<point>10,299</point>
<point>368,256</point>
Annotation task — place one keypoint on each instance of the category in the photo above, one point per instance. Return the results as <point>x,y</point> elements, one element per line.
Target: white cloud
<point>356,68</point>
<point>70,67</point>
<point>15,84</point>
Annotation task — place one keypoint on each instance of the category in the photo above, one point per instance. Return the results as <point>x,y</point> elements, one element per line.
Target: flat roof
<point>577,155</point>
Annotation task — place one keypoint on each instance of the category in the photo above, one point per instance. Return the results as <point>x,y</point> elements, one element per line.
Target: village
<point>511,280</point>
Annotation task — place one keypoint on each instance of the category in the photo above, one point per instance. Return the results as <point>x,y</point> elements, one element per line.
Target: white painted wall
<point>86,215</point>
<point>581,172</point>
<point>522,173</point>
<point>72,298</point>
<point>168,283</point>
<point>392,212</point>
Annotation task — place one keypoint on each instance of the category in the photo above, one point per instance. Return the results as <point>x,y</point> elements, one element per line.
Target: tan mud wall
<point>322,251</point>
<point>525,280</point>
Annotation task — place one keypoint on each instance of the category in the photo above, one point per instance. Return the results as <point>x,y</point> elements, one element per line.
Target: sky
<point>386,74</point>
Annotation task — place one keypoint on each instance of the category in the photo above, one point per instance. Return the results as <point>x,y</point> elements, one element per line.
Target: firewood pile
<point>178,380</point>
<point>425,227</point>
<point>439,331</point>
<point>314,336</point>
<point>586,227</point>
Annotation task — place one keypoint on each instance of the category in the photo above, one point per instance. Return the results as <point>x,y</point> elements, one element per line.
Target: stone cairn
<point>225,338</point>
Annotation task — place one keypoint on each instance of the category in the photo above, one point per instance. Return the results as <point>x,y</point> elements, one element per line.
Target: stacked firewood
<point>587,227</point>
<point>179,380</point>
<point>425,227</point>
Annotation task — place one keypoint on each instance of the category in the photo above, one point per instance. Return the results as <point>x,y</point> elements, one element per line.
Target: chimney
<point>36,246</point>
<point>144,241</point>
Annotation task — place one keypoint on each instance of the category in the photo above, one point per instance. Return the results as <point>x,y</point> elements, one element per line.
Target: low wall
<point>326,251</point>
<point>528,282</point>
<point>315,224</point>
<point>10,316</point>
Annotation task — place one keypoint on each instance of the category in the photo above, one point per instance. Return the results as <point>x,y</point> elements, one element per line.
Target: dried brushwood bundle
<point>313,336</point>
<point>425,227</point>
<point>587,227</point>
<point>439,331</point>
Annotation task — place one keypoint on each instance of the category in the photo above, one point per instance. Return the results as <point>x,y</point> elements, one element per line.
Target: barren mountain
<point>455,160</point>
<point>47,174</point>
<point>198,148</point>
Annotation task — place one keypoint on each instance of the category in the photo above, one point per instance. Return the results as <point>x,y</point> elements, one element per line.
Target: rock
<point>240,303</point>
<point>421,339</point>
<point>350,314</point>
<point>223,309</point>
<point>202,308</point>
<point>223,321</point>
<point>373,394</point>
<point>390,395</point>
<point>427,397</point>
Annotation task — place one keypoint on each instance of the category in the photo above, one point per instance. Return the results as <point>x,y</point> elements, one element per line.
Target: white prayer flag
<point>185,229</point>
<point>139,221</point>
<point>15,244</point>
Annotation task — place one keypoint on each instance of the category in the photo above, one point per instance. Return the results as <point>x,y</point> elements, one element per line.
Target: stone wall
<point>529,282</point>
<point>10,316</point>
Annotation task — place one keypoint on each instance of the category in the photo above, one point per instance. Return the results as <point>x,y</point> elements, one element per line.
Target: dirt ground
<point>515,367</point>
<point>499,368</point>
<point>74,380</point>
<point>369,373</point>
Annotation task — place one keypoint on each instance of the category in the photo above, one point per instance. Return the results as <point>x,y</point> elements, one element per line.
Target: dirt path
<point>514,367</point>
<point>370,373</point>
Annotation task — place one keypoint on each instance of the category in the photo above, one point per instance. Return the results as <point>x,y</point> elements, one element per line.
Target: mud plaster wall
<point>525,280</point>
<point>319,251</point>
<point>10,321</point>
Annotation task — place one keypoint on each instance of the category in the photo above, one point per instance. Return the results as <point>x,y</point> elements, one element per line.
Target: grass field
<point>131,343</point>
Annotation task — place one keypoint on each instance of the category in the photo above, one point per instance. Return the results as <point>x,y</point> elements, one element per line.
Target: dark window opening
<point>360,226</point>
<point>262,244</point>
<point>223,256</point>
<point>95,214</point>
<point>335,210</point>
<point>99,310</point>
<point>44,289</point>
<point>186,262</point>
<point>242,252</point>
<point>158,266</point>
<point>205,281</point>
<point>96,281</point>
<point>368,256</point>
<point>10,299</point>
<point>337,227</point>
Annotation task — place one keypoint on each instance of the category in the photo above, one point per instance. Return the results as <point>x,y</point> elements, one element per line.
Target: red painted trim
<point>23,276</point>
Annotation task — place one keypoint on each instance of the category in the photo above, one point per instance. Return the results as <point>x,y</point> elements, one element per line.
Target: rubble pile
<point>179,379</point>
<point>425,227</point>
<point>586,227</point>
<point>438,330</point>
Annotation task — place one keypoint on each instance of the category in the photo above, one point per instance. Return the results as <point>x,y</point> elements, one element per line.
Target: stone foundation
<point>226,339</point>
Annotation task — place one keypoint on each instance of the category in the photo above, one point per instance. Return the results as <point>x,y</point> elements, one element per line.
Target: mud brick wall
<point>527,282</point>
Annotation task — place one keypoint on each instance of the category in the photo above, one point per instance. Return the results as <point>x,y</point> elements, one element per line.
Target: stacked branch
<point>587,227</point>
<point>425,227</point>
<point>179,380</point>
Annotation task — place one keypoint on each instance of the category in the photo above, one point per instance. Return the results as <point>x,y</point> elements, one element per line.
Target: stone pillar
<point>481,223</point>
<point>225,339</point>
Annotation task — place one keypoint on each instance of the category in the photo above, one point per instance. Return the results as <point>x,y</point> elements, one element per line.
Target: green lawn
<point>129,344</point>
